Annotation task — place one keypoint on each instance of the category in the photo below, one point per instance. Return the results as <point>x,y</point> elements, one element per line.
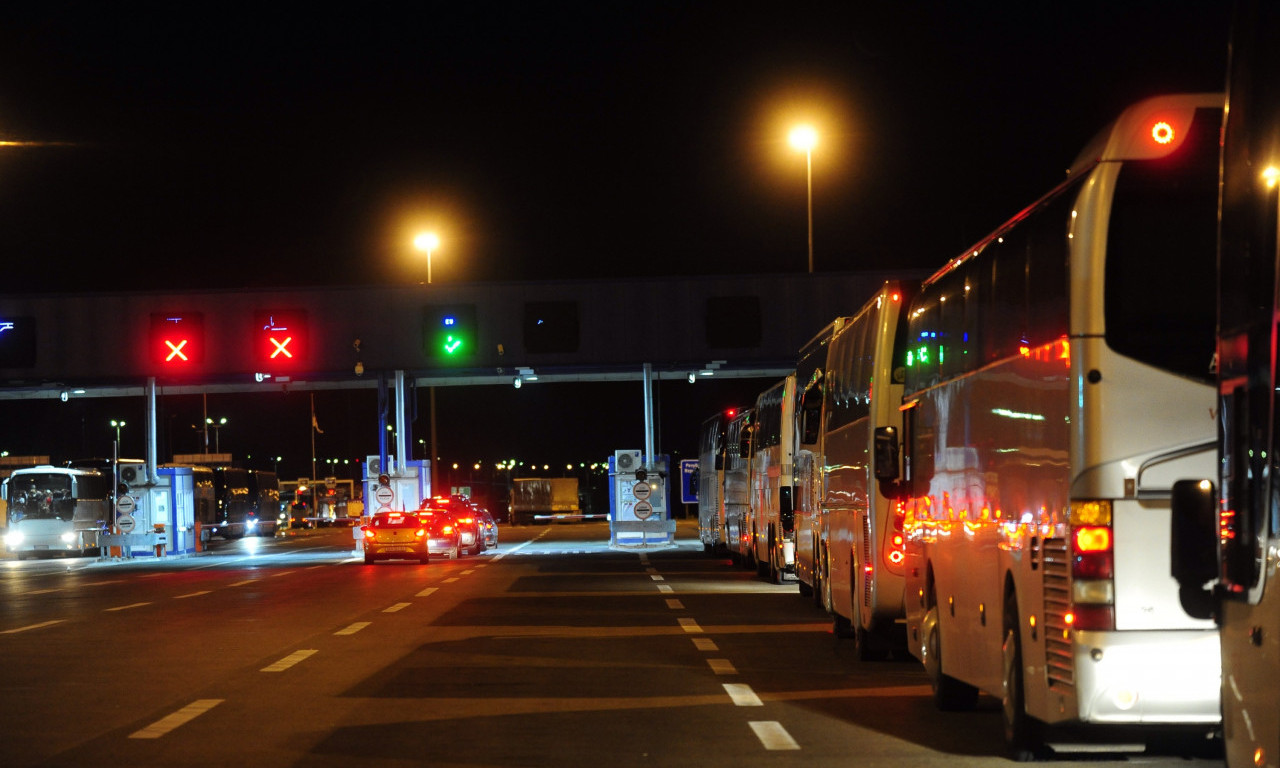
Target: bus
<point>268,516</point>
<point>235,506</point>
<point>737,486</point>
<point>1227,533</point>
<point>56,510</point>
<point>862,541</point>
<point>712,446</point>
<point>811,377</point>
<point>1058,382</point>
<point>772,484</point>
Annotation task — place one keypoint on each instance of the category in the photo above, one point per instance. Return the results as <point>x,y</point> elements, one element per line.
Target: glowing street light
<point>427,242</point>
<point>804,138</point>
<point>117,425</point>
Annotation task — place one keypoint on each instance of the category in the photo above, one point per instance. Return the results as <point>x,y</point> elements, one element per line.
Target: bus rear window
<point>1161,256</point>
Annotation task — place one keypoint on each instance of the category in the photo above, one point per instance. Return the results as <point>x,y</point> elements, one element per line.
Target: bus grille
<point>1057,603</point>
<point>866,560</point>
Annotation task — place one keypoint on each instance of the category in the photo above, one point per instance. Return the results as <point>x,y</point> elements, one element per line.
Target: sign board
<point>384,495</point>
<point>689,481</point>
<point>643,510</point>
<point>331,482</point>
<point>124,504</point>
<point>641,490</point>
<point>125,523</point>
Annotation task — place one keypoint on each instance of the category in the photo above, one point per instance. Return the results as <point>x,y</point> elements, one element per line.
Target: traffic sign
<point>384,495</point>
<point>125,504</point>
<point>125,523</point>
<point>641,490</point>
<point>643,510</point>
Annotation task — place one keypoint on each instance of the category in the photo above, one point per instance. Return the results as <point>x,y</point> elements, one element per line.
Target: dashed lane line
<point>353,628</point>
<point>690,626</point>
<point>426,592</point>
<point>772,735</point>
<point>125,607</point>
<point>32,626</point>
<point>396,607</point>
<point>665,589</point>
<point>705,644</point>
<point>722,666</point>
<point>675,605</point>
<point>742,695</point>
<point>191,594</point>
<point>179,718</point>
<point>289,661</point>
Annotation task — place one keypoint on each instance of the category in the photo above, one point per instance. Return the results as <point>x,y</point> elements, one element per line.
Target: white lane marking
<point>468,571</point>
<point>426,592</point>
<point>396,607</point>
<point>690,626</point>
<point>281,573</point>
<point>289,661</point>
<point>181,717</point>
<point>675,605</point>
<point>742,695</point>
<point>656,577</point>
<point>651,569</point>
<point>772,735</point>
<point>450,580</point>
<point>125,607</point>
<point>242,583</point>
<point>32,626</point>
<point>705,644</point>
<point>722,666</point>
<point>44,591</point>
<point>353,628</point>
<point>100,583</point>
<point>191,594</point>
<point>665,589</point>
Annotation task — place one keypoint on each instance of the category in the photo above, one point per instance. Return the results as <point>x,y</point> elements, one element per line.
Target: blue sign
<point>689,481</point>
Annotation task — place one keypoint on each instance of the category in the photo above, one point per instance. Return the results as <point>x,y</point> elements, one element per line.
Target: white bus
<point>712,450</point>
<point>811,377</point>
<point>772,484</point>
<point>1233,534</point>
<point>56,510</point>
<point>737,486</point>
<point>862,537</point>
<point>1058,383</point>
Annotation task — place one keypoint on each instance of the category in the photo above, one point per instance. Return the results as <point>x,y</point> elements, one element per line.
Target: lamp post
<point>804,138</point>
<point>427,242</point>
<point>117,425</point>
<point>216,426</point>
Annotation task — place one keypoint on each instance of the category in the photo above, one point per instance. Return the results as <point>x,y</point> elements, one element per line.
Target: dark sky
<point>222,145</point>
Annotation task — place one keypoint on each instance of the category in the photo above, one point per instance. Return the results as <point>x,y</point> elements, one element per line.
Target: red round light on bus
<point>1093,539</point>
<point>1162,132</point>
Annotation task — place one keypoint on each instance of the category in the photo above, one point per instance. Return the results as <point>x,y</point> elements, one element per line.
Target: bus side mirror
<point>1194,545</point>
<point>886,453</point>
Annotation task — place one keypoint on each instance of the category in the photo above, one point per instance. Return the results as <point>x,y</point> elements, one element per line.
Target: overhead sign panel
<point>177,340</point>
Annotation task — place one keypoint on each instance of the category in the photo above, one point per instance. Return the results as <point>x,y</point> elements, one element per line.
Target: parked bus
<point>862,542</point>
<point>268,514</point>
<point>712,450</point>
<point>1058,383</point>
<point>737,487</point>
<point>772,482</point>
<point>811,379</point>
<point>1232,532</point>
<point>56,510</point>
<point>234,504</point>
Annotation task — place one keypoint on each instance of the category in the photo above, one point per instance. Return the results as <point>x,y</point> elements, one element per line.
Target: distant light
<point>804,138</point>
<point>428,241</point>
<point>1162,132</point>
<point>1271,175</point>
<point>518,382</point>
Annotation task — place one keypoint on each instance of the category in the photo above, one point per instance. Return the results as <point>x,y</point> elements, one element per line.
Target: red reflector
<point>1091,617</point>
<point>1162,132</point>
<point>896,557</point>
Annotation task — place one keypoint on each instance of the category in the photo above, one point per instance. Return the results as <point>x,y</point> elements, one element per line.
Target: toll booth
<point>406,485</point>
<point>159,519</point>
<point>639,501</point>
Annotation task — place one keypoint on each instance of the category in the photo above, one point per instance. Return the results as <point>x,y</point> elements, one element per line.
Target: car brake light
<point>420,533</point>
<point>369,533</point>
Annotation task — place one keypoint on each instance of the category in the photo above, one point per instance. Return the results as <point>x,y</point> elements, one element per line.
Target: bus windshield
<point>1160,246</point>
<point>41,497</point>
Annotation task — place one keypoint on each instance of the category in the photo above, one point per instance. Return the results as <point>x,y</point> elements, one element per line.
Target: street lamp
<point>117,425</point>
<point>804,138</point>
<point>216,426</point>
<point>427,242</point>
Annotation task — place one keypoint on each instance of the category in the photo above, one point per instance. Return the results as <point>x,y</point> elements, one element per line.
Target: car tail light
<point>369,533</point>
<point>420,533</point>
<point>446,529</point>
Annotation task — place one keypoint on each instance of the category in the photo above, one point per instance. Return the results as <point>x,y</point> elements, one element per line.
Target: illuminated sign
<point>177,339</point>
<point>17,342</point>
<point>449,333</point>
<point>281,339</point>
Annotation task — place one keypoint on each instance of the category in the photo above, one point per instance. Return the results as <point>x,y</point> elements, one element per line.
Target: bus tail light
<point>896,553</point>
<point>1092,567</point>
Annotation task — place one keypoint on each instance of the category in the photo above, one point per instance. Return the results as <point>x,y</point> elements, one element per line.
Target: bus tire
<point>1022,733</point>
<point>949,694</point>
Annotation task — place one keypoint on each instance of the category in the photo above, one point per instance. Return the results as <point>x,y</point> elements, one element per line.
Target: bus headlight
<point>68,537</point>
<point>13,538</point>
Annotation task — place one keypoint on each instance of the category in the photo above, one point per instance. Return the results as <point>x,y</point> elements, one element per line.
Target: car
<point>443,536</point>
<point>396,535</point>
<point>488,526</point>
<point>470,529</point>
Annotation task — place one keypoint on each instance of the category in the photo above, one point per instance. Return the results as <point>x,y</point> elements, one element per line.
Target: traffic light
<point>449,333</point>
<point>177,340</point>
<point>17,342</point>
<point>281,339</point>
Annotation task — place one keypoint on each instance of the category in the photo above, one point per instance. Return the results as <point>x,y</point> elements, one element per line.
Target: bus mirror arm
<point>1194,545</point>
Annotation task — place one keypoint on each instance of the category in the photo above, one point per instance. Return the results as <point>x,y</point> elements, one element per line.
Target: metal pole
<point>808,165</point>
<point>648,414</point>
<point>432,458</point>
<point>151,430</point>
<point>402,402</point>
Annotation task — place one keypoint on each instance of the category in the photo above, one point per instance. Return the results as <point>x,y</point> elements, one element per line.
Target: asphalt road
<point>552,650</point>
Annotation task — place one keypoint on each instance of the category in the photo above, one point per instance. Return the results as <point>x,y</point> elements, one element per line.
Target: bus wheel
<point>1021,731</point>
<point>949,694</point>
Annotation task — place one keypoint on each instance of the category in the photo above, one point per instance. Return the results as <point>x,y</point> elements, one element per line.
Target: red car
<point>444,536</point>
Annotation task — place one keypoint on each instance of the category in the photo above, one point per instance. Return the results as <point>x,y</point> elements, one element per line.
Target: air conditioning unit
<point>373,466</point>
<point>133,474</point>
<point>626,461</point>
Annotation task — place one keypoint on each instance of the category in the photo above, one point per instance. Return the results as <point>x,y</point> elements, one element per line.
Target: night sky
<point>172,146</point>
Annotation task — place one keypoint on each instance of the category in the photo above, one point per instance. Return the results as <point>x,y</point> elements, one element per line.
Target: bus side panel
<point>846,501</point>
<point>1251,672</point>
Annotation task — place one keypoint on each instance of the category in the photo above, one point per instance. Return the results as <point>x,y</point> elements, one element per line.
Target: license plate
<point>395,549</point>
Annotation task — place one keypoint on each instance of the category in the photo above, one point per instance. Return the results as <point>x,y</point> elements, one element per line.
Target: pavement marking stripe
<point>181,717</point>
<point>722,666</point>
<point>675,605</point>
<point>468,571</point>
<point>705,644</point>
<point>289,661</point>
<point>690,626</point>
<point>426,592</point>
<point>665,589</point>
<point>772,735</point>
<point>450,580</point>
<point>32,626</point>
<point>742,695</point>
<point>396,607</point>
<point>125,607</point>
<point>191,594</point>
<point>656,577</point>
<point>354,628</point>
<point>44,591</point>
<point>242,583</point>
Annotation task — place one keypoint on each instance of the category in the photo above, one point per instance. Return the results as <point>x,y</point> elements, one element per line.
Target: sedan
<point>443,536</point>
<point>395,535</point>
